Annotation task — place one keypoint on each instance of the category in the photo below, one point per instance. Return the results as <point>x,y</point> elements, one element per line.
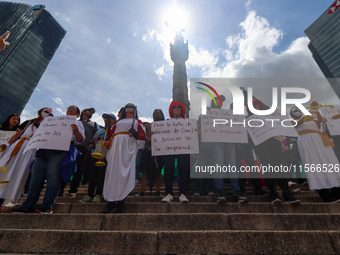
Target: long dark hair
<point>5,123</point>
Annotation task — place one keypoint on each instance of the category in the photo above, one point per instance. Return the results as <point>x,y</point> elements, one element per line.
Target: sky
<point>117,52</point>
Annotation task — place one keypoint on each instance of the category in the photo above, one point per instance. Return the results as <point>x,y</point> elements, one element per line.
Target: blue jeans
<point>45,168</point>
<point>224,154</point>
<point>183,164</point>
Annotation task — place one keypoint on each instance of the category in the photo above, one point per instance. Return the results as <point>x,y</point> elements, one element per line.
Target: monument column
<point>179,54</point>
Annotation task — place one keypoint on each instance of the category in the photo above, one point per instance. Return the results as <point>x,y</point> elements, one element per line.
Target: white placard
<point>54,133</point>
<point>228,127</point>
<point>269,126</point>
<point>174,136</point>
<point>333,125</point>
<point>4,137</point>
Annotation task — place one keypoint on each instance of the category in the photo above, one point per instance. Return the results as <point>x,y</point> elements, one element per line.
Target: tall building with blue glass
<point>324,35</point>
<point>35,37</point>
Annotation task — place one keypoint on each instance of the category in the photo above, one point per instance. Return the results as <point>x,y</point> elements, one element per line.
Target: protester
<point>176,111</point>
<point>122,150</point>
<point>16,161</point>
<point>315,149</point>
<point>47,166</point>
<point>97,173</point>
<point>84,148</point>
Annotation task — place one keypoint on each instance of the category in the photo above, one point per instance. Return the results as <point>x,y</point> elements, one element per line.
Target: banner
<point>174,136</point>
<point>261,128</point>
<point>220,125</point>
<point>332,124</point>
<point>54,133</point>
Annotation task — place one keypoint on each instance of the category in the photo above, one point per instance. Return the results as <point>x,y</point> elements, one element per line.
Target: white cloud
<point>160,72</point>
<point>108,40</point>
<point>58,101</point>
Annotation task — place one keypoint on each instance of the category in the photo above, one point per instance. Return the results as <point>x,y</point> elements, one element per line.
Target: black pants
<point>270,154</point>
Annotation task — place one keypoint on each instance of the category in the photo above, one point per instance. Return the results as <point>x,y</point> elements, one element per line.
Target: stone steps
<point>173,221</point>
<point>201,226</point>
<point>170,242</point>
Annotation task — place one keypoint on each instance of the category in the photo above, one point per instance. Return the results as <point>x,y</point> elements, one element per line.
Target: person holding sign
<point>270,154</point>
<point>176,111</point>
<point>121,155</point>
<point>47,167</point>
<point>16,161</point>
<point>315,149</point>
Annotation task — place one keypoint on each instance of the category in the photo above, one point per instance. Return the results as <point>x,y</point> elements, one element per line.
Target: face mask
<point>45,113</point>
<point>129,109</point>
<point>296,112</point>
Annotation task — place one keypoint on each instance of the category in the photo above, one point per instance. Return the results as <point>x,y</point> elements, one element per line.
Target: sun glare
<point>175,19</point>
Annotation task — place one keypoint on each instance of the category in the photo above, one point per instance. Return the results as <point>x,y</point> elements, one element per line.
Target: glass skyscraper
<point>324,35</point>
<point>35,36</point>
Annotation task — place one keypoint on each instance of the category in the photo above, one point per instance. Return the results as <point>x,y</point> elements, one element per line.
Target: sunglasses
<point>177,106</point>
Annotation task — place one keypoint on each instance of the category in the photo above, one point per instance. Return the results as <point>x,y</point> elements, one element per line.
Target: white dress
<point>313,152</point>
<point>121,157</point>
<point>17,167</point>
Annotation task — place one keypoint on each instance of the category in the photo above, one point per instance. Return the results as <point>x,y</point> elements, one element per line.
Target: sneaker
<point>44,211</point>
<point>167,199</point>
<point>212,194</point>
<point>72,194</point>
<point>221,198</point>
<point>183,199</point>
<point>96,199</point>
<point>240,198</point>
<point>86,199</point>
<point>275,198</point>
<point>8,204</point>
<point>289,198</point>
<point>196,194</point>
<point>22,210</point>
<point>292,185</point>
<point>24,195</point>
<point>295,191</point>
<point>137,181</point>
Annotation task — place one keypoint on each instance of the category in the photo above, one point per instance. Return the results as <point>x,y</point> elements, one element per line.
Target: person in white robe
<point>121,155</point>
<point>316,150</point>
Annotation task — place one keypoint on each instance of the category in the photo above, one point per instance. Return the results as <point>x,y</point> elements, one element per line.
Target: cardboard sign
<point>332,124</point>
<point>261,128</point>
<point>54,133</point>
<point>228,127</point>
<point>174,136</point>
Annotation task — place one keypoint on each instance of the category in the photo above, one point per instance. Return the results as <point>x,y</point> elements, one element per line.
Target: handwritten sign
<point>228,128</point>
<point>4,137</point>
<point>174,136</point>
<point>261,128</point>
<point>332,124</point>
<point>54,133</point>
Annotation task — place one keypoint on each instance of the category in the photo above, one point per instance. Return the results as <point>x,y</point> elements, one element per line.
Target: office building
<point>324,35</point>
<point>35,36</point>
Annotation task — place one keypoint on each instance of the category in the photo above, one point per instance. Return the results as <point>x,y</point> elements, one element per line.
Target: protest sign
<point>332,124</point>
<point>261,128</point>
<point>174,136</point>
<point>220,125</point>
<point>54,133</point>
